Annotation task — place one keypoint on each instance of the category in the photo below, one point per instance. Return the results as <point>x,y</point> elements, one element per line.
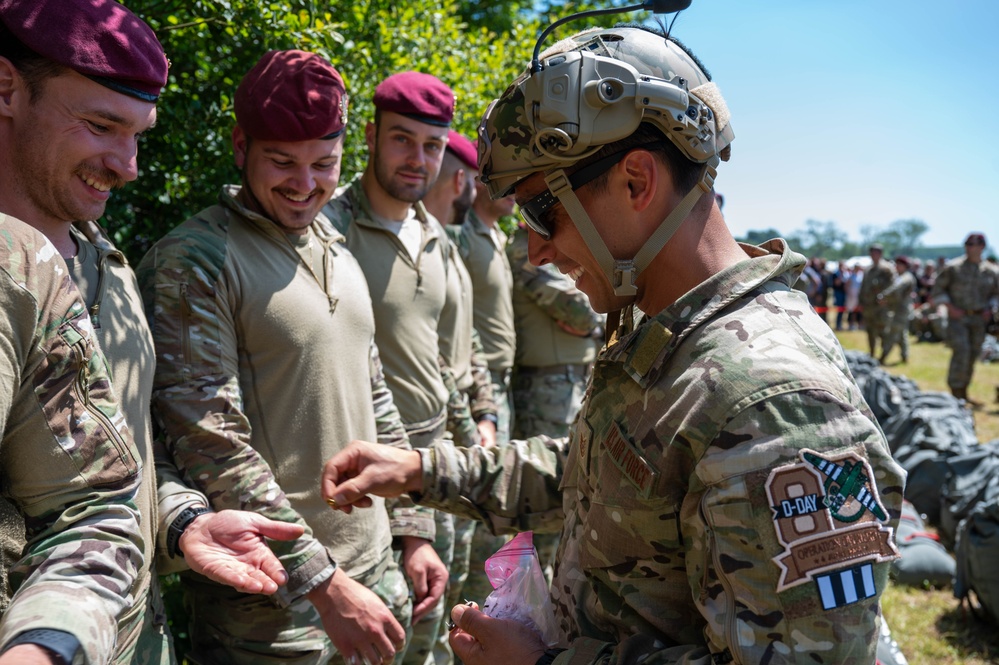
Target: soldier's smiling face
<point>407,155</point>
<point>291,181</point>
<point>71,145</point>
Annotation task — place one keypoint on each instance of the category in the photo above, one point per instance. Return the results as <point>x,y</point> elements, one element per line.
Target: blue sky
<point>860,113</point>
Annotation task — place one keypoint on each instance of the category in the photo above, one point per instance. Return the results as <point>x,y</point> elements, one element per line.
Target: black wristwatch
<point>548,657</point>
<point>177,527</point>
<point>64,646</point>
<point>491,417</point>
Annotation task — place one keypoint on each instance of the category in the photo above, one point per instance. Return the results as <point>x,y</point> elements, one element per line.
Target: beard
<point>463,203</point>
<point>399,190</point>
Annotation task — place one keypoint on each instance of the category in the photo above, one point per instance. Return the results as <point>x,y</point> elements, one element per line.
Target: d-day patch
<point>828,516</point>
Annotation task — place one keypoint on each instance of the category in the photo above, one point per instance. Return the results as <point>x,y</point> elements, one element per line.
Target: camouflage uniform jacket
<point>727,494</point>
<point>966,285</point>
<point>410,296</point>
<point>555,323</point>
<point>877,278</point>
<point>492,281</point>
<point>898,296</point>
<point>264,370</point>
<point>68,461</point>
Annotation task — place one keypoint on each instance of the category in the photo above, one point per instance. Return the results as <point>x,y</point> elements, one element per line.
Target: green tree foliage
<point>187,157</point>
<point>818,239</point>
<point>825,239</point>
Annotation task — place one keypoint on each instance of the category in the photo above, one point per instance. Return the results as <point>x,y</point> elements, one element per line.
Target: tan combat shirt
<point>485,256</point>
<point>265,369</point>
<point>408,299</point>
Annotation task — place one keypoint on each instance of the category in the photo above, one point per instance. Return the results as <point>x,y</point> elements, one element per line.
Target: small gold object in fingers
<point>333,504</point>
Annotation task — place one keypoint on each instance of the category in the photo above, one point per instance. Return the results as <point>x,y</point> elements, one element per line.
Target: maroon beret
<point>291,96</point>
<point>975,238</point>
<point>463,149</point>
<point>902,259</point>
<point>416,95</point>
<point>97,38</point>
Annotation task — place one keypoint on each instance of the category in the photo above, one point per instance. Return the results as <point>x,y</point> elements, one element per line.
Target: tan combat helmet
<point>591,90</point>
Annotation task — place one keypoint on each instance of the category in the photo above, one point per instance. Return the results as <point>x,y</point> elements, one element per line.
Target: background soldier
<point>969,287</point>
<point>403,253</point>
<point>897,302</point>
<point>247,299</point>
<point>877,278</point>
<point>472,412</point>
<point>558,336</point>
<point>698,550</point>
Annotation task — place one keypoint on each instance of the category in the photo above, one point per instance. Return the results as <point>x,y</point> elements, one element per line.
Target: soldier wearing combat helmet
<point>726,494</point>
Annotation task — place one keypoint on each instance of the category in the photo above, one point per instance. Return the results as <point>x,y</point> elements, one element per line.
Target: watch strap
<point>177,526</point>
<point>60,643</point>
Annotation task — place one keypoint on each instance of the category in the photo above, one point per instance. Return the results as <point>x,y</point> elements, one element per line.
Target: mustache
<point>101,175</point>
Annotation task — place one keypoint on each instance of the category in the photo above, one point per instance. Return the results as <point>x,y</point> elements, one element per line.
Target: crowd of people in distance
<point>954,301</point>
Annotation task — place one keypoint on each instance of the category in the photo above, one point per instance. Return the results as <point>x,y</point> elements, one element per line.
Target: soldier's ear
<point>9,79</point>
<point>240,146</point>
<point>458,181</point>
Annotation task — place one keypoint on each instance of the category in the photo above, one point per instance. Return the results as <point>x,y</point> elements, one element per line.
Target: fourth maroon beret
<point>463,149</point>
<point>416,95</point>
<point>976,238</point>
<point>100,39</point>
<point>291,96</point>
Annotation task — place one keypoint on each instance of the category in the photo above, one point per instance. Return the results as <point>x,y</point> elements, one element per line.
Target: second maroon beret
<point>291,96</point>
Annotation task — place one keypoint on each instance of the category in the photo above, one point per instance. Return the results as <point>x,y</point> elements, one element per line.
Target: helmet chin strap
<point>620,272</point>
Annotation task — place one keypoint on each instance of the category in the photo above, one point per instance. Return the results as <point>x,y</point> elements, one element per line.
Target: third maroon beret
<point>416,95</point>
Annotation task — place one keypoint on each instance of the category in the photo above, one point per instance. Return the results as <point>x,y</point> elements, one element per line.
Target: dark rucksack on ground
<point>977,580</point>
<point>924,560</point>
<point>923,438</point>
<point>973,477</point>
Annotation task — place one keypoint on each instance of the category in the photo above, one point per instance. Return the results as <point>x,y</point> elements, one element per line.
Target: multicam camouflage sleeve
<point>512,487</point>
<point>552,291</point>
<point>68,461</point>
<point>460,425</point>
<point>197,399</point>
<point>481,398</point>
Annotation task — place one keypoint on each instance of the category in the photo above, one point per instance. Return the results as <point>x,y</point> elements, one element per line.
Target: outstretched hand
<point>365,468</point>
<point>229,547</point>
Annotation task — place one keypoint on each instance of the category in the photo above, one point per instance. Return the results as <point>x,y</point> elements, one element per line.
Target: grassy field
<point>929,624</point>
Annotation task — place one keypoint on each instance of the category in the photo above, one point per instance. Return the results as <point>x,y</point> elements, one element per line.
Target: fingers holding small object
<point>335,506</point>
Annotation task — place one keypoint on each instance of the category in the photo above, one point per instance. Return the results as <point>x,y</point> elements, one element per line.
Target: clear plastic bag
<point>520,590</point>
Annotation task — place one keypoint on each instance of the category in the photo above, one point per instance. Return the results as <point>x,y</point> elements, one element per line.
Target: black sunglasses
<point>534,210</point>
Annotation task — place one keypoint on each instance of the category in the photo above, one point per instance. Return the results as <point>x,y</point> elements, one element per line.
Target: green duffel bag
<point>924,560</point>
<point>976,582</point>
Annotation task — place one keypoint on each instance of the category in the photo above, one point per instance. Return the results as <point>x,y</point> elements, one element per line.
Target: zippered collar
<point>95,235</point>
<point>648,344</point>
